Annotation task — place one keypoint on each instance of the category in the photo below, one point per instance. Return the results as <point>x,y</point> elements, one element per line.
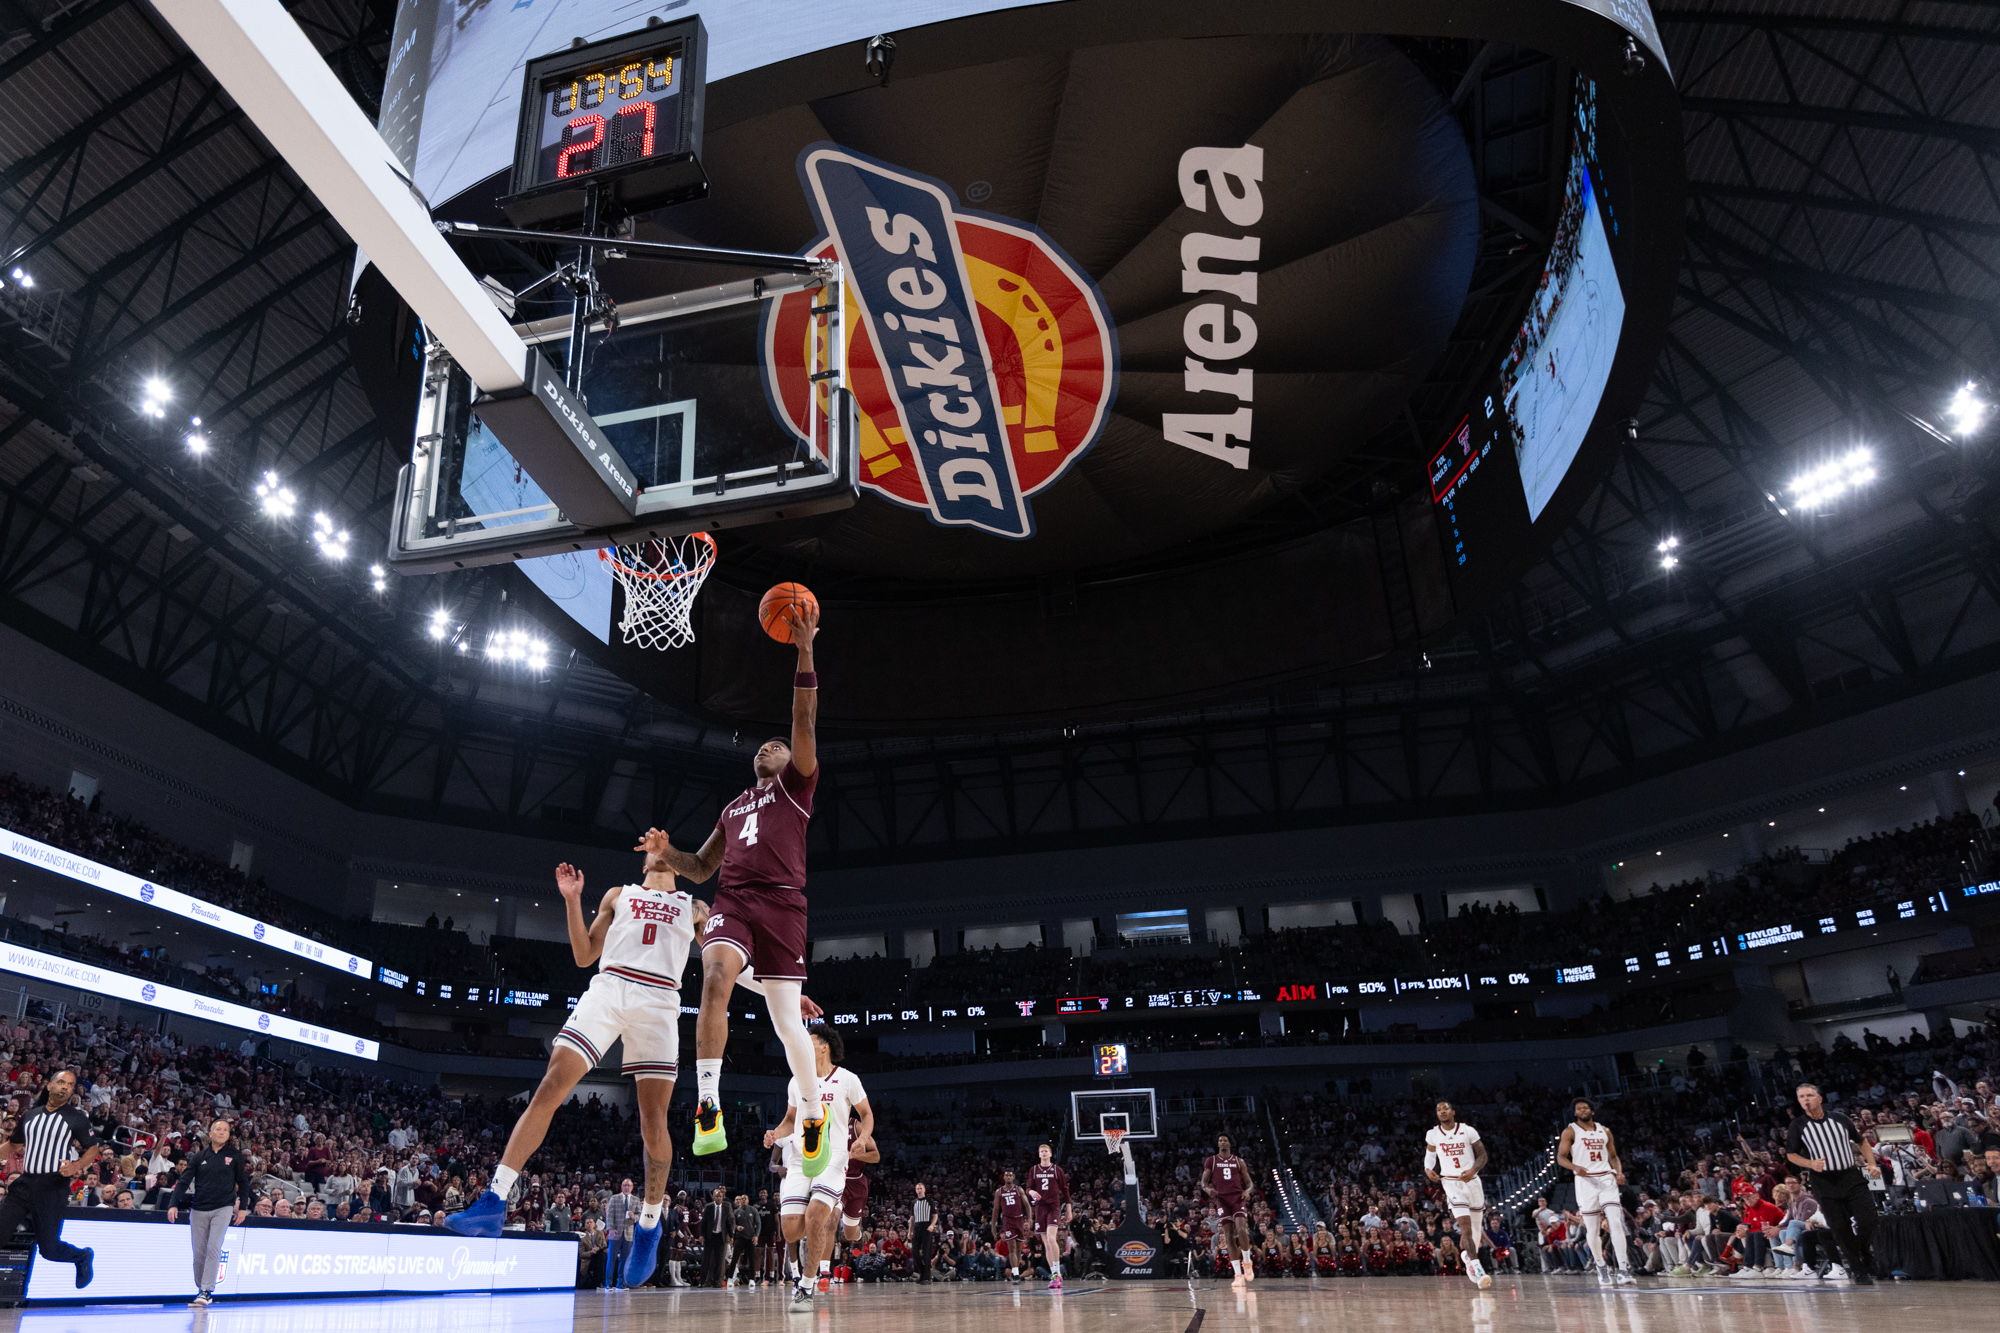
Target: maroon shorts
<point>767,925</point>
<point>1014,1226</point>
<point>1233,1205</point>
<point>1047,1214</point>
<point>855,1197</point>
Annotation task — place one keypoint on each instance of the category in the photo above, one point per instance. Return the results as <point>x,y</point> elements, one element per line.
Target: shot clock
<point>622,115</point>
<point>1111,1060</point>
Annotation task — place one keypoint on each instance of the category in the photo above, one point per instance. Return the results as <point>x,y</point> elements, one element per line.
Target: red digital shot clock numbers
<point>622,116</point>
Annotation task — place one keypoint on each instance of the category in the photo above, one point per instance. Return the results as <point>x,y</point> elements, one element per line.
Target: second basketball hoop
<point>660,577</point>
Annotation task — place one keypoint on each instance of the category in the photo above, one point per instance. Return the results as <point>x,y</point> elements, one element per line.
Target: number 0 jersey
<point>1450,1150</point>
<point>649,936</point>
<point>764,833</point>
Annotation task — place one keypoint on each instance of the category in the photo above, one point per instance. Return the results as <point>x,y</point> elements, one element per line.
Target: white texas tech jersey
<point>839,1093</point>
<point>1451,1149</point>
<point>649,936</point>
<point>1590,1150</point>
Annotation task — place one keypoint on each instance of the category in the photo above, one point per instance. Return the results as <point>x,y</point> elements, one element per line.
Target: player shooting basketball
<point>759,917</point>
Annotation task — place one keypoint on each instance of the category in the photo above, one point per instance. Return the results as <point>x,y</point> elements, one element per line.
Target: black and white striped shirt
<point>50,1138</point>
<point>1830,1138</point>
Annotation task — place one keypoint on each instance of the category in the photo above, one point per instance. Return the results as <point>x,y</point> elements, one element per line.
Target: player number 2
<point>650,933</point>
<point>749,834</point>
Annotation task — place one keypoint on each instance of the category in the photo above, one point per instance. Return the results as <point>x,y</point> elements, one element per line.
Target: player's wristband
<point>805,680</point>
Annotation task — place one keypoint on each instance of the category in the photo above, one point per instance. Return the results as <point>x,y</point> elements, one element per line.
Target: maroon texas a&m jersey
<point>1228,1176</point>
<point>1051,1182</point>
<point>1013,1201</point>
<point>764,833</point>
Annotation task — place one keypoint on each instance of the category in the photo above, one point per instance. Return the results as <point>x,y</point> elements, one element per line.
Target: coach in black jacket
<point>217,1182</point>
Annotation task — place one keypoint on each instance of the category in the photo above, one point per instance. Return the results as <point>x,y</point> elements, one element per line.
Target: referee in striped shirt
<point>1822,1143</point>
<point>52,1134</point>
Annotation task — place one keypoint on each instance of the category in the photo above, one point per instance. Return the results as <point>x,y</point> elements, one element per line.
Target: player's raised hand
<point>569,881</point>
<point>808,1011</point>
<point>804,620</point>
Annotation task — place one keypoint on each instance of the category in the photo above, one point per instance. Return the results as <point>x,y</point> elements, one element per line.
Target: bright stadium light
<point>23,277</point>
<point>517,647</point>
<point>380,577</point>
<point>276,498</point>
<point>332,541</point>
<point>1668,545</point>
<point>1822,485</point>
<point>440,625</point>
<point>1967,410</point>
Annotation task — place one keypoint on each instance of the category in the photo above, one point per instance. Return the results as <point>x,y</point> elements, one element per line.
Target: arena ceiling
<point>1839,283</point>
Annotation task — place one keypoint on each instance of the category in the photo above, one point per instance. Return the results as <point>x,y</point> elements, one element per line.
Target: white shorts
<point>1466,1197</point>
<point>1593,1192</point>
<point>647,1017</point>
<point>798,1189</point>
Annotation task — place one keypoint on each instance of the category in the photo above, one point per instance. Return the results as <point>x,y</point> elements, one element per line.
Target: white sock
<point>503,1180</point>
<point>707,1075</point>
<point>1614,1214</point>
<point>826,1265</point>
<point>1236,1265</point>
<point>649,1214</point>
<point>1595,1239</point>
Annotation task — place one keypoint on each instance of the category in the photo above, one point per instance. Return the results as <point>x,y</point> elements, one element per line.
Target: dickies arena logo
<point>1135,1252</point>
<point>980,356</point>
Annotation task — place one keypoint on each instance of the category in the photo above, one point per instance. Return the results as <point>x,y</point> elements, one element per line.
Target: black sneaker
<point>802,1300</point>
<point>83,1273</point>
<point>1863,1279</point>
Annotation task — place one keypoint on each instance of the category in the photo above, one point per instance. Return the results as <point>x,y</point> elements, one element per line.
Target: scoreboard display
<point>1111,1060</point>
<point>622,115</point>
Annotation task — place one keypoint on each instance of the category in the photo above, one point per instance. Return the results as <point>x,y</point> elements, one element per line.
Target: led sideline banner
<point>120,986</point>
<point>148,1259</point>
<point>69,865</point>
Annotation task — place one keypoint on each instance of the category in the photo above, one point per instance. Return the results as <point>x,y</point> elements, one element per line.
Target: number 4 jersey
<point>764,833</point>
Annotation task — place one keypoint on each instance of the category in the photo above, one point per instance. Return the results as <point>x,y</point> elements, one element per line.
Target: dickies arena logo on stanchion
<point>1135,1253</point>
<point>979,355</point>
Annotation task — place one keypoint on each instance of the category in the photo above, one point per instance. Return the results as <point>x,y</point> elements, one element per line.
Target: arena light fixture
<point>332,541</point>
<point>1967,410</point>
<point>516,647</point>
<point>440,625</point>
<point>1820,486</point>
<point>380,578</point>
<point>22,276</point>
<point>197,441</point>
<point>275,498</point>
<point>156,393</point>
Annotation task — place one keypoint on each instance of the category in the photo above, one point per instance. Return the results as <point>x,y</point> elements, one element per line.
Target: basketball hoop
<point>660,576</point>
<point>1112,1138</point>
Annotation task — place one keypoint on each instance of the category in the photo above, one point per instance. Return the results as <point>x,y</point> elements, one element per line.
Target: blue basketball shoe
<point>645,1254</point>
<point>483,1218</point>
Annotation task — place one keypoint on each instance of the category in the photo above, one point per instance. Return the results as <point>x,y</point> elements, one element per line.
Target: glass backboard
<point>681,389</point>
<point>1090,1110</point>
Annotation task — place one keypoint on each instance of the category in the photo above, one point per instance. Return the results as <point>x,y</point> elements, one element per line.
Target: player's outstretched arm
<point>805,699</point>
<point>585,942</point>
<point>695,867</point>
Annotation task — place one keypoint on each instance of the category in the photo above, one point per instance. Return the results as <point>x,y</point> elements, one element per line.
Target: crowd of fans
<point>1340,1186</point>
<point>1884,869</point>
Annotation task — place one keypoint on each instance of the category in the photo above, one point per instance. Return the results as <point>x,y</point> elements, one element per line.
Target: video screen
<point>1556,371</point>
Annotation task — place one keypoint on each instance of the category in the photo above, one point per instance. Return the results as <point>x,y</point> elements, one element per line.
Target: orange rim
<point>623,568</point>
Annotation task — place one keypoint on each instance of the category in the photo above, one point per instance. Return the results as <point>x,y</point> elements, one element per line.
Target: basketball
<point>777,605</point>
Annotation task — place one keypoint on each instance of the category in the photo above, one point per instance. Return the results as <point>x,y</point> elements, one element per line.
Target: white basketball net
<point>661,576</point>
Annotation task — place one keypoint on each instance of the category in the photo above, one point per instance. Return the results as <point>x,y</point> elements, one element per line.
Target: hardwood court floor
<point>1532,1304</point>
